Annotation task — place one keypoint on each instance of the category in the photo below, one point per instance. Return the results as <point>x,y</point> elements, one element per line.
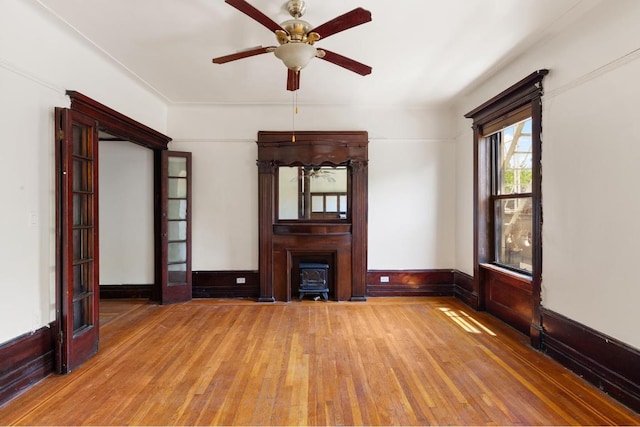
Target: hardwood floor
<point>389,361</point>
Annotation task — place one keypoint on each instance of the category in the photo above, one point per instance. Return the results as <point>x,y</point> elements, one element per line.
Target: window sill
<point>523,278</point>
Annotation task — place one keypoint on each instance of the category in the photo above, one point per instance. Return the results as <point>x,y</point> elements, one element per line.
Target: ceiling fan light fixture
<point>295,55</point>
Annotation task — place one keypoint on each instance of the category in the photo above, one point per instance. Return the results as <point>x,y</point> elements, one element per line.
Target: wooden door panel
<point>77,239</point>
<point>176,226</point>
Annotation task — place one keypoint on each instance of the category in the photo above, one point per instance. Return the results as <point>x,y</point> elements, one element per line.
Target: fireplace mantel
<point>340,243</point>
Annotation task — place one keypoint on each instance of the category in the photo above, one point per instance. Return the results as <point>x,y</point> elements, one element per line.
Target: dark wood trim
<point>463,287</point>
<point>125,291</point>
<point>118,124</point>
<point>127,129</point>
<point>358,204</point>
<point>282,240</point>
<point>266,218</point>
<point>26,360</point>
<point>158,223</point>
<point>410,283</point>
<point>313,147</point>
<point>609,364</point>
<point>310,228</point>
<point>508,296</point>
<point>510,99</point>
<point>535,329</point>
<point>505,106</point>
<point>224,284</point>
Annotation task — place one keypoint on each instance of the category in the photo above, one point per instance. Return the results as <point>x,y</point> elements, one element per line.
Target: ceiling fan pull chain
<point>293,116</point>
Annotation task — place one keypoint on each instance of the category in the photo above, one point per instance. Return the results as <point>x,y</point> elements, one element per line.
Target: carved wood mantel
<point>342,243</point>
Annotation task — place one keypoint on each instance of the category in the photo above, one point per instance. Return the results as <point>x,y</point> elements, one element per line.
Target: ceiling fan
<point>296,39</point>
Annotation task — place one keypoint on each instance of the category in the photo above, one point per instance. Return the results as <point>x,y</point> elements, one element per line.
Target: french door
<point>175,188</point>
<point>77,250</point>
<point>77,239</point>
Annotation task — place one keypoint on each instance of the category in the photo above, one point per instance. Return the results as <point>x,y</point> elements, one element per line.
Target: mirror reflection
<point>312,192</point>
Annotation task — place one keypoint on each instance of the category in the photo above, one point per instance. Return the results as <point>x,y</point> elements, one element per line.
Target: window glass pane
<point>82,244</point>
<point>177,230</point>
<point>177,274</point>
<point>81,314</point>
<point>81,209</point>
<point>177,209</point>
<point>81,175</point>
<point>177,252</point>
<point>514,232</point>
<point>177,167</point>
<point>514,159</point>
<point>177,188</point>
<point>80,141</point>
<point>82,277</point>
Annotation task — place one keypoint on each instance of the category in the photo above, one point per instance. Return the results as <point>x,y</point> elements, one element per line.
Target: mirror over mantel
<point>313,205</point>
<point>312,193</point>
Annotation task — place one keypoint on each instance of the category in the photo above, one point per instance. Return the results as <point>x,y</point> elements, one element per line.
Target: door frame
<point>121,126</point>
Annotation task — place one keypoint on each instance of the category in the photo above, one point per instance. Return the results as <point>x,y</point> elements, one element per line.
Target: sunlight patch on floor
<point>466,322</point>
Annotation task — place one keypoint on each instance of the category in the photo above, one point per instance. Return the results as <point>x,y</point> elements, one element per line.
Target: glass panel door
<point>176,230</point>
<point>77,245</point>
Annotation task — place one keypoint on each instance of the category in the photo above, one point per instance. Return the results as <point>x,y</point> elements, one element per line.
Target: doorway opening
<point>77,212</point>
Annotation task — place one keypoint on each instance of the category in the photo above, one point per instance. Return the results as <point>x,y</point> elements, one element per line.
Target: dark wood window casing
<point>511,296</point>
<point>340,243</point>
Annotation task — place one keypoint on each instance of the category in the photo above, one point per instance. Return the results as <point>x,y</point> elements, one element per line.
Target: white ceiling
<point>423,52</point>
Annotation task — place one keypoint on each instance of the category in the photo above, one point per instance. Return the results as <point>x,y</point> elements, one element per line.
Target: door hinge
<point>61,365</point>
<point>60,134</point>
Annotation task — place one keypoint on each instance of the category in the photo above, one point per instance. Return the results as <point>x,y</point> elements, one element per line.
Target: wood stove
<point>313,279</point>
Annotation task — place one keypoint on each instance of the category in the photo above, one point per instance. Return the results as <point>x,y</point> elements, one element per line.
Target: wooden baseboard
<point>463,287</point>
<point>226,284</point>
<point>26,360</point>
<point>385,283</point>
<point>607,363</point>
<point>126,291</point>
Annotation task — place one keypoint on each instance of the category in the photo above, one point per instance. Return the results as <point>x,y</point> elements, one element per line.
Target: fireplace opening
<point>313,280</point>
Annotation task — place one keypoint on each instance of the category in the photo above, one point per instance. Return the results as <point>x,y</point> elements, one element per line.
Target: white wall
<point>411,204</point>
<point>225,212</point>
<point>39,59</point>
<point>126,213</point>
<point>411,179</point>
<point>590,155</point>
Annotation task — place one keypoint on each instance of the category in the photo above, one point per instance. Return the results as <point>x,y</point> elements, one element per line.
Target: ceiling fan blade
<point>293,80</point>
<point>351,19</point>
<point>254,13</point>
<point>345,62</point>
<point>241,55</point>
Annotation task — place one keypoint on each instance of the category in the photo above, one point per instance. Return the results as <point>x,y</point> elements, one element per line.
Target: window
<point>507,253</point>
<point>511,196</point>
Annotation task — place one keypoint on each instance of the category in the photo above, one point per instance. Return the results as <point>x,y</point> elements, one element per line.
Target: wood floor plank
<point>389,361</point>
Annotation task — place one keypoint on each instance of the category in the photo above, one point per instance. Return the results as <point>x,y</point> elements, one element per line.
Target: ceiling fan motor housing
<point>296,8</point>
<point>297,29</point>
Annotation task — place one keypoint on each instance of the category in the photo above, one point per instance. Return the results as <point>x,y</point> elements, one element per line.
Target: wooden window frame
<point>494,140</point>
<point>503,109</point>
